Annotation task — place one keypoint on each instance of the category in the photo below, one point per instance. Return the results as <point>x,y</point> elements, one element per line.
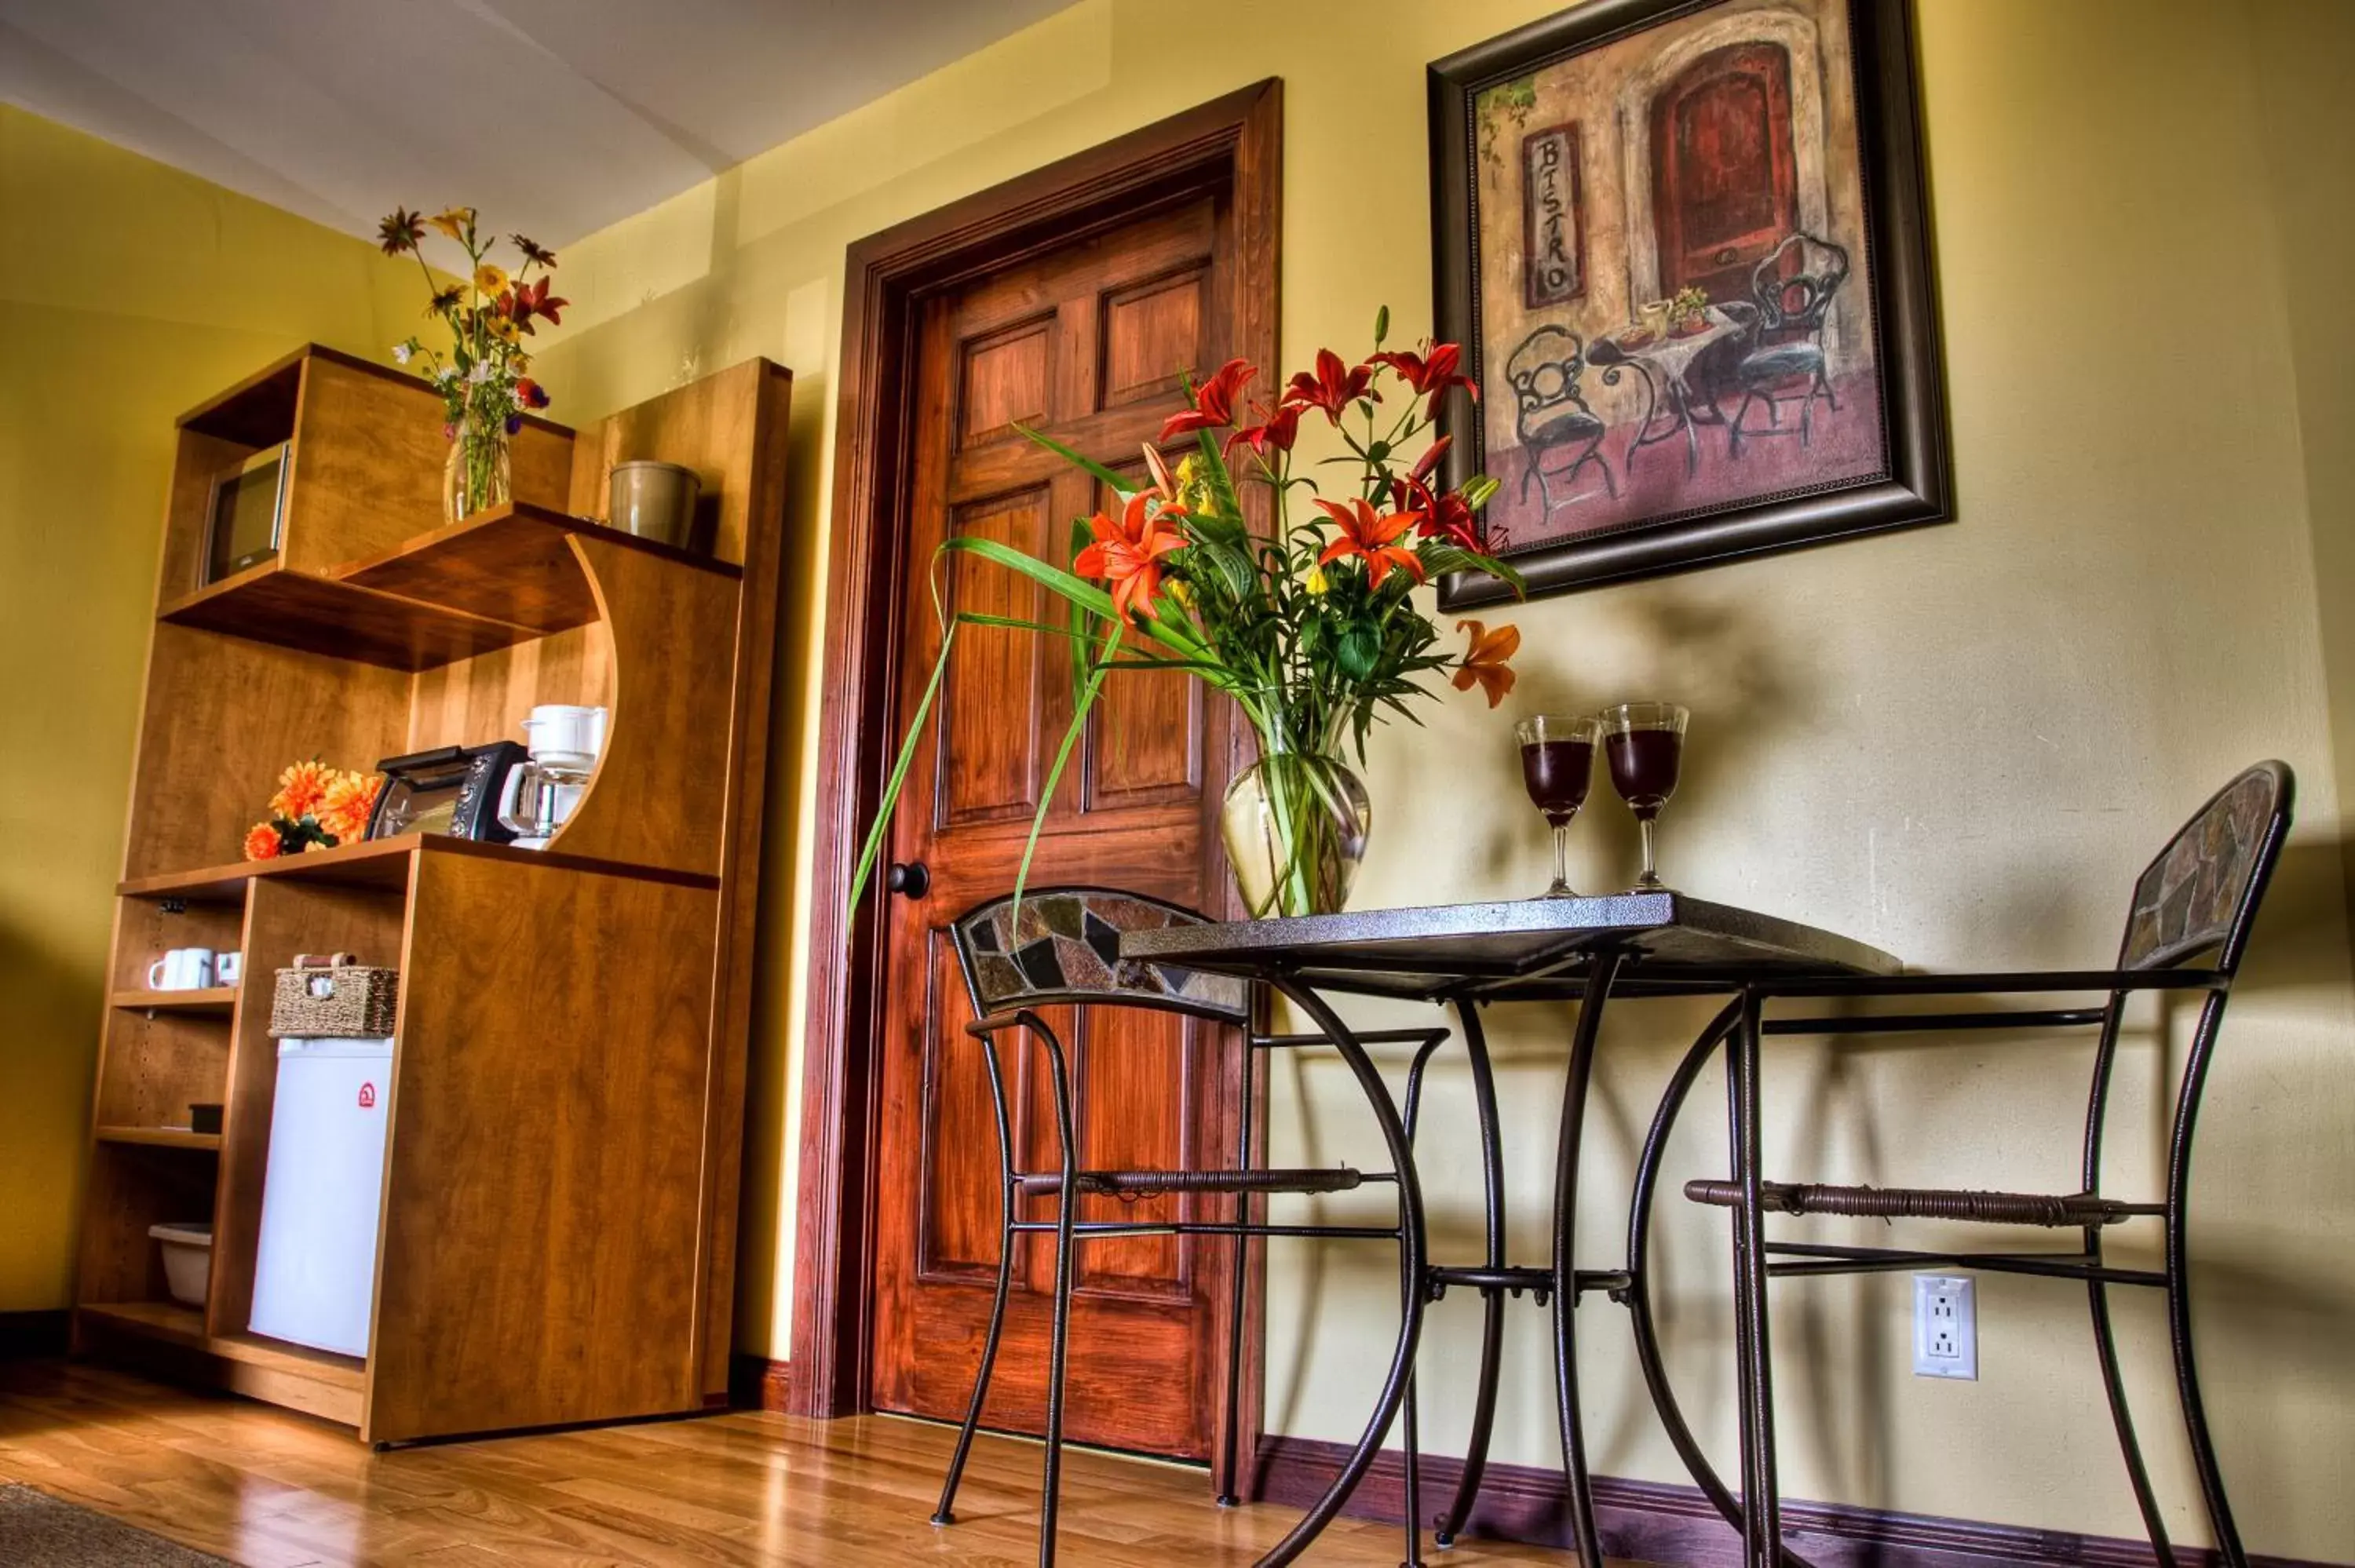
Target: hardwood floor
<point>268,1489</point>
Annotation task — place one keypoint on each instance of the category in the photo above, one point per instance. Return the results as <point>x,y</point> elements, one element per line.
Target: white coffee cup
<point>182,969</point>
<point>228,967</point>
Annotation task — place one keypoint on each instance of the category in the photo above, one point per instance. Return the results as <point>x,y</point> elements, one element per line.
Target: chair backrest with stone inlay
<point>2202,891</point>
<point>1065,948</point>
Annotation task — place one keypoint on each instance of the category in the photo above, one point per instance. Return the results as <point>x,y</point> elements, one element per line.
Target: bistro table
<point>1661,361</point>
<point>1586,950</point>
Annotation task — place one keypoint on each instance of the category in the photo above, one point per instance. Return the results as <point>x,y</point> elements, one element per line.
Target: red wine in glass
<point>1643,744</point>
<point>1557,766</point>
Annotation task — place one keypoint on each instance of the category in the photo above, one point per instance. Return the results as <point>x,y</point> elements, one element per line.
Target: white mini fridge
<point>314,1273</point>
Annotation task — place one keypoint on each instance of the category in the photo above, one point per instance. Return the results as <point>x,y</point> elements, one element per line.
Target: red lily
<point>1127,554</point>
<point>1214,402</point>
<point>1333,388</point>
<point>1436,515</point>
<point>531,300</point>
<point>1275,433</point>
<point>1428,464</point>
<point>1375,537</point>
<point>1431,373</point>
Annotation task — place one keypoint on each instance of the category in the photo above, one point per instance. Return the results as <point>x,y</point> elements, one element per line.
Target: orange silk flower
<point>1485,661</point>
<point>301,788</point>
<point>262,842</point>
<point>1127,554</point>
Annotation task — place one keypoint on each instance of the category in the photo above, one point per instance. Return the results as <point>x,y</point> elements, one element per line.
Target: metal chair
<point>1786,359</point>
<point>1066,951</point>
<point>1551,413</point>
<point>2196,901</point>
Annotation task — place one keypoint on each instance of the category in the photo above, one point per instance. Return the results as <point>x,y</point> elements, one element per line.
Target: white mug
<point>565,732</point>
<point>228,967</point>
<point>182,969</point>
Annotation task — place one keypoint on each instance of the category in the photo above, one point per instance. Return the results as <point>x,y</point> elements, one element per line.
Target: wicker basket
<point>336,997</point>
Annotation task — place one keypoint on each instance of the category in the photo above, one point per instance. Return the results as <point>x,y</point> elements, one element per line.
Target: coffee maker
<point>563,742</point>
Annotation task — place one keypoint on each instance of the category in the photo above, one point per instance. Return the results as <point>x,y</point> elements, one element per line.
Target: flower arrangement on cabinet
<point>317,807</point>
<point>1311,625</point>
<point>484,378</point>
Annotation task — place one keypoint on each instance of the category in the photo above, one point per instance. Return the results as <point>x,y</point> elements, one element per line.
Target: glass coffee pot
<point>539,796</point>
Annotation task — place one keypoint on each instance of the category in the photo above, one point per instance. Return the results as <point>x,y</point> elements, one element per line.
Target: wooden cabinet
<point>566,1102</point>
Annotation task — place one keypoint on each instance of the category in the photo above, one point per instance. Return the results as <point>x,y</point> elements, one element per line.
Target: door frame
<point>1235,141</point>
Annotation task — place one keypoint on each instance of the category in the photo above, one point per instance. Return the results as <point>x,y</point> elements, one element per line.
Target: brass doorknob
<point>908,881</point>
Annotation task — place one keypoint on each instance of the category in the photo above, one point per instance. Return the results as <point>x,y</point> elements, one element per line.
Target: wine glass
<point>1644,743</point>
<point>1557,763</point>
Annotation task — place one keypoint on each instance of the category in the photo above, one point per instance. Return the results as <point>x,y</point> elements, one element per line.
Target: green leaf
<point>1080,710</point>
<point>1119,485</point>
<point>883,809</point>
<point>1359,648</point>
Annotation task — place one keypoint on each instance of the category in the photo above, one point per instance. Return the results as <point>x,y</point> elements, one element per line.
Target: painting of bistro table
<point>1682,242</point>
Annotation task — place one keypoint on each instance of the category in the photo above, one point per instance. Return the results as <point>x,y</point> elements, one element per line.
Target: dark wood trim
<point>1235,142</point>
<point>26,1335</point>
<point>756,1382</point>
<point>1919,486</point>
<point>1655,1522</point>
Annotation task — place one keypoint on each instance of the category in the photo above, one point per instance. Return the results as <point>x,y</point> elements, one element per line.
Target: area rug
<point>37,1531</point>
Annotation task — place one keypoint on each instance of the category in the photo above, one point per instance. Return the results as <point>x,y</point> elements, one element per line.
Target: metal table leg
<point>1762,1505</point>
<point>1412,1251</point>
<point>1565,1268</point>
<point>1448,1526</point>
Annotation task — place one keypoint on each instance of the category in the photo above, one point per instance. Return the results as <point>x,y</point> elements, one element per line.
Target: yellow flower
<point>503,328</point>
<point>1314,582</point>
<point>490,279</point>
<point>1178,592</point>
<point>455,222</point>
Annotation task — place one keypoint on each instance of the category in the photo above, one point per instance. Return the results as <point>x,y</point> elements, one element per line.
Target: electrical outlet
<point>1945,1327</point>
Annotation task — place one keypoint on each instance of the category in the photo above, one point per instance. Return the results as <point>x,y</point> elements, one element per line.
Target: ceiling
<point>554,117</point>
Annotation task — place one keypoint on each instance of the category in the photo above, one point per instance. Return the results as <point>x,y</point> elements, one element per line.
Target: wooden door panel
<point>994,699</point>
<point>1151,338</point>
<point>1133,1073</point>
<point>959,1230</point>
<point>1090,344</point>
<point>1725,178</point>
<point>1003,378</point>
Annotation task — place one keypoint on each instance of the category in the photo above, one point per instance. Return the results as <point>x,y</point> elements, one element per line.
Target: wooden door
<point>1725,182</point>
<point>1086,344</point>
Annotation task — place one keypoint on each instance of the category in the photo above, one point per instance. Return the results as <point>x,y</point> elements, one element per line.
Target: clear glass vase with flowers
<point>1310,623</point>
<point>484,379</point>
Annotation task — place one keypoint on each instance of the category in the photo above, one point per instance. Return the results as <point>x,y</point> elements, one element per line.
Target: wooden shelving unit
<point>566,1091</point>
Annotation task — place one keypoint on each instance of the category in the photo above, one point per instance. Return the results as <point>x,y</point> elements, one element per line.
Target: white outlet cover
<point>1945,1327</point>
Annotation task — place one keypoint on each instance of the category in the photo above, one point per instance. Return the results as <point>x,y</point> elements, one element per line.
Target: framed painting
<point>1683,245</point>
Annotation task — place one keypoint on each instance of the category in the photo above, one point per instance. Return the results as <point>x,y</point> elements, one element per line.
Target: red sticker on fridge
<point>367,1096</point>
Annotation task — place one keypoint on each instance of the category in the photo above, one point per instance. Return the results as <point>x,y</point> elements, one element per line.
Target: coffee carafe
<point>540,796</point>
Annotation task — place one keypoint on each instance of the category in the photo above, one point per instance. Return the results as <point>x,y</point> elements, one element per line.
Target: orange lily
<point>1375,537</point>
<point>1127,554</point>
<point>1485,662</point>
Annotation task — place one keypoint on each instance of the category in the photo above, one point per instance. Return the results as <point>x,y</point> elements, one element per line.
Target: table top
<point>1525,949</point>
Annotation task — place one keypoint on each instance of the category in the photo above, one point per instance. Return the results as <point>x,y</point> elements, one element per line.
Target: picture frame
<point>1700,301</point>
<point>245,514</point>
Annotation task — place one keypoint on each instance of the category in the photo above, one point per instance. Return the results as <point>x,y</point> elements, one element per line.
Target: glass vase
<point>1296,824</point>
<point>475,477</point>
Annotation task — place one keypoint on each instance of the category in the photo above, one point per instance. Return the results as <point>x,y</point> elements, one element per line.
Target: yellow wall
<point>128,292</point>
<point>1959,744</point>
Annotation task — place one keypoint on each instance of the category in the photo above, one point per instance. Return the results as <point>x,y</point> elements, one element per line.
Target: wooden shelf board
<point>380,863</point>
<point>321,1366</point>
<point>159,1137</point>
<point>511,564</point>
<point>215,1001</point>
<point>165,1320</point>
<point>173,1324</point>
<point>343,621</point>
